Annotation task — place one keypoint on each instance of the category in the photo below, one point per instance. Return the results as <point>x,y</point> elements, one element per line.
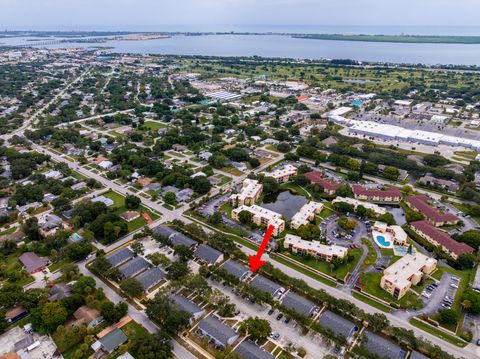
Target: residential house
<point>218,333</point>
<point>237,270</point>
<point>188,306</point>
<point>389,195</point>
<point>33,263</point>
<point>328,187</point>
<point>208,254</point>
<point>421,204</point>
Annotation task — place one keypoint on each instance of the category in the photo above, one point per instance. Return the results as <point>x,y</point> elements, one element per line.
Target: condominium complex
<point>390,195</point>
<point>251,190</point>
<point>355,203</point>
<point>406,272</point>
<point>306,214</point>
<point>440,239</point>
<point>327,253</point>
<point>395,233</point>
<point>283,174</point>
<point>421,204</point>
<point>328,187</point>
<point>262,216</point>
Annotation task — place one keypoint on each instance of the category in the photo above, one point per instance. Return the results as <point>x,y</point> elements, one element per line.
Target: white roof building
<point>355,203</point>
<point>283,174</point>
<point>262,216</point>
<point>306,214</point>
<point>249,193</point>
<point>298,245</point>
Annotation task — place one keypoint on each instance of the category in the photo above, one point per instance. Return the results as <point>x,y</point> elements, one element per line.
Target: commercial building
<point>251,191</point>
<point>315,248</point>
<point>389,195</point>
<point>262,217</point>
<point>440,239</point>
<point>421,204</point>
<point>328,187</point>
<point>405,273</point>
<point>306,214</point>
<point>283,174</point>
<point>355,203</point>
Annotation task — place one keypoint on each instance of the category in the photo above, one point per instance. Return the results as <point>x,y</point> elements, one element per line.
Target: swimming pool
<point>383,240</point>
<point>357,103</point>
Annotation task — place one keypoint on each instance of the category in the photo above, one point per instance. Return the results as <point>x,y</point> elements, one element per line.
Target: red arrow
<point>255,261</point>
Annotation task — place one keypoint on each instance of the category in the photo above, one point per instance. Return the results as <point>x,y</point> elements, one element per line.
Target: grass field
<point>324,267</point>
<point>154,126</point>
<point>438,333</point>
<point>371,302</point>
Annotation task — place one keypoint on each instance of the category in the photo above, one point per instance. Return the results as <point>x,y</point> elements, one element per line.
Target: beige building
<point>405,273</point>
<point>396,233</point>
<point>251,191</point>
<point>283,174</point>
<point>262,217</point>
<point>315,248</point>
<point>306,214</point>
<point>355,203</point>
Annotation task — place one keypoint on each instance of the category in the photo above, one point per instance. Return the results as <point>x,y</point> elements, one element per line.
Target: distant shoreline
<point>407,39</point>
<point>139,35</point>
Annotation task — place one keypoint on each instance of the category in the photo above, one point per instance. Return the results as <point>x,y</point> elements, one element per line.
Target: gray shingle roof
<point>382,347</point>
<point>113,340</point>
<point>208,254</point>
<point>164,231</point>
<point>179,239</point>
<point>249,350</point>
<point>120,256</point>
<point>216,329</point>
<point>236,269</point>
<point>133,267</point>
<point>175,237</point>
<point>265,285</point>
<point>298,303</point>
<point>151,277</point>
<point>33,262</point>
<point>338,324</point>
<point>417,355</point>
<point>185,304</point>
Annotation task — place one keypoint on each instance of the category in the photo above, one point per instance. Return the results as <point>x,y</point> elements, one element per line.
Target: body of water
<point>288,47</point>
<point>286,203</point>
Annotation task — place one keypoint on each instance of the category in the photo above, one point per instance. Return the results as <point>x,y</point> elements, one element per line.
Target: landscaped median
<point>442,334</point>
<point>372,302</point>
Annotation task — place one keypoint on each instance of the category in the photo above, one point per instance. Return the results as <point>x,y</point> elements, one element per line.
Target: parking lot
<point>285,332</point>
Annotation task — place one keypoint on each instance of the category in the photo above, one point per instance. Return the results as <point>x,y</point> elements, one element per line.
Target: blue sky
<point>124,13</point>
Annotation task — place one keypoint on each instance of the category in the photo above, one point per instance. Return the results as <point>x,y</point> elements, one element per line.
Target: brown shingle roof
<point>389,192</point>
<point>442,238</point>
<point>316,177</point>
<point>420,202</point>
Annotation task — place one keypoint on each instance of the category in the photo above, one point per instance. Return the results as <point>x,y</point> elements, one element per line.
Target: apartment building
<point>421,204</point>
<point>389,195</point>
<point>284,174</point>
<point>315,248</point>
<point>306,214</point>
<point>328,187</point>
<point>249,194</point>
<point>408,271</point>
<point>262,217</point>
<point>355,203</point>
<point>440,239</point>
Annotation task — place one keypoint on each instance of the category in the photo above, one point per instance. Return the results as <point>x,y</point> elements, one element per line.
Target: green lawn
<point>438,333</point>
<point>371,302</point>
<point>119,203</point>
<point>324,266</point>
<point>303,270</point>
<point>8,231</point>
<point>371,285</point>
<point>154,126</point>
